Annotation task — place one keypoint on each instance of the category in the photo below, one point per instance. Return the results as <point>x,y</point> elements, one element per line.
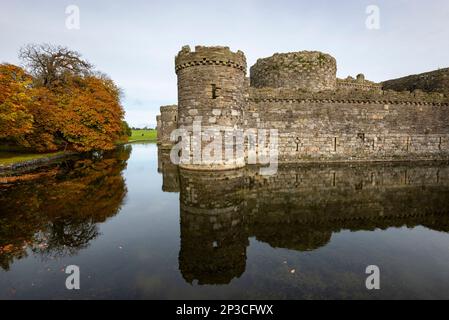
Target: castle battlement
<point>219,56</point>
<point>360,83</point>
<point>374,96</point>
<point>319,118</point>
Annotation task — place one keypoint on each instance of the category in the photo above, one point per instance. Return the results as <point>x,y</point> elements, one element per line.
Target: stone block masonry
<point>319,118</point>
<point>166,123</point>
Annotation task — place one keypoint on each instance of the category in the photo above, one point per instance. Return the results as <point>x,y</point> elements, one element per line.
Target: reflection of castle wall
<point>213,241</point>
<point>323,193</point>
<point>300,208</point>
<point>170,176</point>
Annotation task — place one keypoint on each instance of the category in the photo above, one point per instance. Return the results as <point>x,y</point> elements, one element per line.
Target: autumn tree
<point>75,108</point>
<point>51,65</point>
<point>15,99</point>
<point>92,114</point>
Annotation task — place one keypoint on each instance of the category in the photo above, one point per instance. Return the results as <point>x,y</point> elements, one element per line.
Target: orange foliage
<point>15,98</point>
<point>92,117</point>
<point>83,114</point>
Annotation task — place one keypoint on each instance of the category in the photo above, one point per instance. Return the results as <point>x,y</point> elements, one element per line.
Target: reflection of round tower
<point>213,237</point>
<point>211,84</point>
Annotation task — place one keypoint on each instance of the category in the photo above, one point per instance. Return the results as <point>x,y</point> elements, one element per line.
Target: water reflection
<point>299,208</point>
<point>237,229</point>
<point>58,214</point>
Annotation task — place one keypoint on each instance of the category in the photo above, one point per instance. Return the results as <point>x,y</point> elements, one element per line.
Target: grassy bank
<point>15,155</point>
<point>143,135</point>
<point>9,158</point>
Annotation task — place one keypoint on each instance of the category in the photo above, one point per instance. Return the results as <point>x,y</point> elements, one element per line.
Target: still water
<point>139,228</point>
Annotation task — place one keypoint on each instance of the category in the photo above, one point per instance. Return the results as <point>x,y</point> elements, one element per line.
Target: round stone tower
<point>211,82</point>
<point>306,70</point>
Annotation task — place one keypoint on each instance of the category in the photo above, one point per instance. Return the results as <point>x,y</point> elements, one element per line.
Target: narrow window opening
<point>361,136</point>
<point>335,144</point>
<point>439,143</point>
<point>215,91</point>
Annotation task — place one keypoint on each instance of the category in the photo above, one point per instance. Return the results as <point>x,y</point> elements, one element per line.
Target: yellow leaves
<point>82,114</point>
<point>7,249</point>
<point>15,120</point>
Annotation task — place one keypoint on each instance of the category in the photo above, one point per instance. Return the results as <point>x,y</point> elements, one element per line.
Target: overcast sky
<point>135,41</point>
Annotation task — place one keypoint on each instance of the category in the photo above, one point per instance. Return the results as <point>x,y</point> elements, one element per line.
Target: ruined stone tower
<point>211,91</point>
<point>306,70</point>
<point>166,123</point>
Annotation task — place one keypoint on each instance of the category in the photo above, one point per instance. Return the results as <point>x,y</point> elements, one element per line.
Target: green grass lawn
<point>8,158</point>
<point>143,135</point>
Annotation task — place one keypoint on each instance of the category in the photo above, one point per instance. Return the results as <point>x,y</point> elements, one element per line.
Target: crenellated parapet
<point>358,84</point>
<point>210,56</point>
<point>352,96</point>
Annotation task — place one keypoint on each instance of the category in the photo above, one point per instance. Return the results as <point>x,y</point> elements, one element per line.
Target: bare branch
<point>51,64</point>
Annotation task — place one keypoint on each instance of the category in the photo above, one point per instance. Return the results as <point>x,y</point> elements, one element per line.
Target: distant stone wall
<point>434,81</point>
<point>358,84</point>
<point>307,70</point>
<point>166,123</point>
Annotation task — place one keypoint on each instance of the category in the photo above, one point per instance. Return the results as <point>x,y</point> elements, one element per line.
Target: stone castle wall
<point>166,123</point>
<point>306,70</point>
<point>434,81</point>
<point>358,84</point>
<point>318,117</point>
<point>346,126</point>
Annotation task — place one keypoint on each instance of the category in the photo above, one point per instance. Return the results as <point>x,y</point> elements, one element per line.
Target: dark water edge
<point>140,228</point>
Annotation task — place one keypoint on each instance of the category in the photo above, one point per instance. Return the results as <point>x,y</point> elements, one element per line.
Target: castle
<point>319,118</point>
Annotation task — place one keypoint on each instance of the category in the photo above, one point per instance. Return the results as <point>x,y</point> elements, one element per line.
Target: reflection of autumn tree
<point>58,215</point>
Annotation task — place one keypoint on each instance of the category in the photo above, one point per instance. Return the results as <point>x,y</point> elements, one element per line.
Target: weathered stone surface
<point>166,123</point>
<point>434,81</point>
<point>318,117</point>
<point>306,70</point>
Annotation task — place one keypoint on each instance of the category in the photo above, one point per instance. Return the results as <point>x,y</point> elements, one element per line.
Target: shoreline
<point>33,164</point>
<point>24,166</point>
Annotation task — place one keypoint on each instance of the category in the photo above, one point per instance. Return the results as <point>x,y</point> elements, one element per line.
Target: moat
<point>140,228</point>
